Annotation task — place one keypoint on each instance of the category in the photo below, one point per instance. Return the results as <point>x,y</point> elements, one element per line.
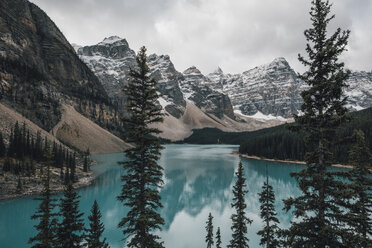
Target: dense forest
<point>27,152</point>
<point>281,143</point>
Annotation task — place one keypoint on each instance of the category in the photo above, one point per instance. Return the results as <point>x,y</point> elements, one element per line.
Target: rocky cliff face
<point>196,88</point>
<point>112,58</point>
<point>271,89</point>
<point>38,66</point>
<point>168,78</point>
<point>274,89</point>
<point>359,92</point>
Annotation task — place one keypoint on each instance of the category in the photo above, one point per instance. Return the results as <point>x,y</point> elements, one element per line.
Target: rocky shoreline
<point>286,161</point>
<point>32,185</point>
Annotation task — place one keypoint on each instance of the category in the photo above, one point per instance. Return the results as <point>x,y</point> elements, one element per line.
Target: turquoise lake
<point>198,180</point>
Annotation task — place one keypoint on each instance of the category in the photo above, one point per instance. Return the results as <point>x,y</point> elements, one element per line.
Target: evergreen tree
<point>71,226</point>
<point>361,205</point>
<point>270,231</point>
<point>95,230</point>
<point>218,238</point>
<point>320,217</point>
<point>86,160</point>
<point>143,177</point>
<point>209,228</point>
<point>38,150</point>
<point>73,167</point>
<point>46,236</point>
<point>67,178</point>
<point>19,185</point>
<point>239,219</point>
<point>2,146</point>
<point>11,148</point>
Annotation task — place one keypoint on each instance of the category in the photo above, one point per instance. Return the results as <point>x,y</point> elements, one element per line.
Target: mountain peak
<point>113,40</point>
<point>280,61</point>
<point>218,71</point>
<point>192,70</point>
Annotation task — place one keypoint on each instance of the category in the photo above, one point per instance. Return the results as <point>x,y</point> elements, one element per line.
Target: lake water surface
<point>198,180</point>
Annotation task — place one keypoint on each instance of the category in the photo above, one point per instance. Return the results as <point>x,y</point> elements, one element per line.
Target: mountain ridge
<point>111,62</point>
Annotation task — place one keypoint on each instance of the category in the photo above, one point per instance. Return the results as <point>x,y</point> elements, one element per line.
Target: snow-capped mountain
<point>359,90</point>
<point>195,87</point>
<point>269,94</point>
<point>187,99</point>
<point>273,90</point>
<point>110,60</point>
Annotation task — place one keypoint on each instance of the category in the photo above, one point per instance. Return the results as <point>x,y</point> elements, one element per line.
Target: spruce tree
<point>38,147</point>
<point>95,230</point>
<point>46,232</point>
<point>239,219</point>
<point>19,185</point>
<point>218,238</point>
<point>360,214</point>
<point>86,160</point>
<point>320,217</point>
<point>2,146</point>
<point>143,176</point>
<point>73,167</point>
<point>71,226</point>
<point>209,228</point>
<point>270,231</point>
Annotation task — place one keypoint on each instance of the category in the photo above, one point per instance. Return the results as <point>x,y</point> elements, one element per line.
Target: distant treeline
<point>282,143</point>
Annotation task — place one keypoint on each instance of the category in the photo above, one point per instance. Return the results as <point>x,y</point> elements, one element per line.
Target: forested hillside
<point>281,143</point>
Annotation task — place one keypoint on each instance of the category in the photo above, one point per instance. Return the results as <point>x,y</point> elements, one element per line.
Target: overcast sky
<point>236,35</point>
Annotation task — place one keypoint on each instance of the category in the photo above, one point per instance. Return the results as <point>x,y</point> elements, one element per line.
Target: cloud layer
<point>235,35</point>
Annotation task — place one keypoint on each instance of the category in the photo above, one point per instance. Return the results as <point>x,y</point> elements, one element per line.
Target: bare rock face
<point>112,58</point>
<point>168,78</point>
<point>275,89</point>
<point>196,88</point>
<point>39,68</point>
<point>359,90</point>
<point>272,89</point>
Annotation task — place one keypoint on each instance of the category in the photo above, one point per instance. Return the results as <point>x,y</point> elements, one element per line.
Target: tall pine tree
<point>95,230</point>
<point>239,219</point>
<point>360,214</point>
<point>218,238</point>
<point>269,233</point>
<point>320,217</point>
<point>209,228</point>
<point>2,146</point>
<point>71,226</point>
<point>143,176</point>
<point>46,232</point>
<point>86,160</point>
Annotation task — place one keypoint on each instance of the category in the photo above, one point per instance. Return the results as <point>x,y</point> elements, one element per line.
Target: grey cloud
<point>235,35</point>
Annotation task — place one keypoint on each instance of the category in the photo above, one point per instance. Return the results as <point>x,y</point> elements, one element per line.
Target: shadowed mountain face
<point>39,68</point>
